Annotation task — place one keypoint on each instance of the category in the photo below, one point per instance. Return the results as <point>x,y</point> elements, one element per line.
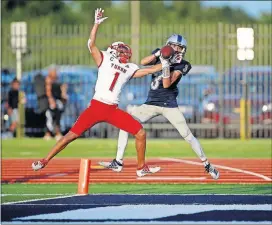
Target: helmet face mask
<point>124,53</point>
<point>121,51</point>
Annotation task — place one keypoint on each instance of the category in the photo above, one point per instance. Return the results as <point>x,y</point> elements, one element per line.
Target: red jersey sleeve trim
<point>102,59</point>
<point>133,74</point>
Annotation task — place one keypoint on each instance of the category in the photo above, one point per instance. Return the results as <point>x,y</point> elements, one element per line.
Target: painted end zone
<point>142,208</point>
<point>254,171</point>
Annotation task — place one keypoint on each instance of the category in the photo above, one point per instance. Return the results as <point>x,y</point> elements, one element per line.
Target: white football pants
<point>145,112</point>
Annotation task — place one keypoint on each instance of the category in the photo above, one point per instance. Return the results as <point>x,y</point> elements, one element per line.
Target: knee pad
<point>183,129</point>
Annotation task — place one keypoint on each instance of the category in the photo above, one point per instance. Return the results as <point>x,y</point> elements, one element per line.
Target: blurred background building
<point>210,95</point>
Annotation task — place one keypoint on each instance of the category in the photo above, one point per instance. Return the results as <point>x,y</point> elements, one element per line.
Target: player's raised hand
<point>165,62</point>
<point>165,67</point>
<point>98,18</point>
<point>157,53</point>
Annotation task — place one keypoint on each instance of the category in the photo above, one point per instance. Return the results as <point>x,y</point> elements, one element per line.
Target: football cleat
<point>39,164</point>
<point>147,170</point>
<point>212,171</point>
<point>113,165</point>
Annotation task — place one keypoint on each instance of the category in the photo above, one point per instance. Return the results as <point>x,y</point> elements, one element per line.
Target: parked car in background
<point>258,84</point>
<point>258,80</point>
<point>7,75</point>
<point>193,89</point>
<point>260,110</point>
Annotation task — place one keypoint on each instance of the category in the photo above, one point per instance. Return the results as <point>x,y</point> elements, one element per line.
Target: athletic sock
<point>196,147</point>
<point>122,144</point>
<point>206,162</point>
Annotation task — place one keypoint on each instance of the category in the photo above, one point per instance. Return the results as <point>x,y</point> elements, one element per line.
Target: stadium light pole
<point>220,69</point>
<point>18,32</point>
<point>135,30</point>
<point>245,43</point>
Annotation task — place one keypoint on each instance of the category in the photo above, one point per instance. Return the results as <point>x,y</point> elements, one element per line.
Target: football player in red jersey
<point>114,71</point>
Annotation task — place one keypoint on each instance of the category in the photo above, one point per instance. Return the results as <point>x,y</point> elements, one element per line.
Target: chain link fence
<point>209,95</point>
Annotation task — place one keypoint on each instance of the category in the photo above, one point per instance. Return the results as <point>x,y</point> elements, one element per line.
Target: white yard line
<point>3,195</point>
<point>67,196</point>
<point>219,166</point>
<point>171,178</point>
<point>110,193</point>
<point>58,175</point>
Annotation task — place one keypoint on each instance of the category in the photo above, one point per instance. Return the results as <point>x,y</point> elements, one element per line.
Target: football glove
<point>157,53</point>
<point>164,62</point>
<point>98,16</point>
<point>165,67</point>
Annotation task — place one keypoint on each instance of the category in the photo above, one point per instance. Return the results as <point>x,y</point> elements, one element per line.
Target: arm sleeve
<point>103,57</point>
<point>88,45</point>
<point>134,69</point>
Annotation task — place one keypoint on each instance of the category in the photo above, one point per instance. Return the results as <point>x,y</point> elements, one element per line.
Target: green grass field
<point>37,148</point>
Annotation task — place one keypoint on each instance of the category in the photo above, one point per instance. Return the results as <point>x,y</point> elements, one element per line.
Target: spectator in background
<point>57,97</point>
<point>12,106</point>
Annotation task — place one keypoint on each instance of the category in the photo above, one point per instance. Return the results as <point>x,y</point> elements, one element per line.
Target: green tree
<point>266,18</point>
<point>9,5</point>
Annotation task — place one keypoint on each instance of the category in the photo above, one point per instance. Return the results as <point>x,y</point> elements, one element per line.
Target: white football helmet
<point>179,40</point>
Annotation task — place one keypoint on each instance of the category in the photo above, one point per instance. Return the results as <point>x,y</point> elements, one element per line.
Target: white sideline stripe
<point>218,166</point>
<point>171,178</point>
<point>38,199</point>
<point>3,195</point>
<point>110,193</point>
<point>58,175</point>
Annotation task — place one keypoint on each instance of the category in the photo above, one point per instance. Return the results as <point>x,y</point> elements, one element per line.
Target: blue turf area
<point>142,209</point>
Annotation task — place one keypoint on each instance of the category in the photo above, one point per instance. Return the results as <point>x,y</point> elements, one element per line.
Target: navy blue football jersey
<point>166,97</point>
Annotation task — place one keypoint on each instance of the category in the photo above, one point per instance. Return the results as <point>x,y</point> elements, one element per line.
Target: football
<point>167,52</point>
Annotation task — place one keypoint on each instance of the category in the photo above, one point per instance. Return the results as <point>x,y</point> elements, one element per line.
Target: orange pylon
<point>84,175</point>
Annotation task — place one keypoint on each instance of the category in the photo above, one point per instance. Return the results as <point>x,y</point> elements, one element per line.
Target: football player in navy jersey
<point>162,100</point>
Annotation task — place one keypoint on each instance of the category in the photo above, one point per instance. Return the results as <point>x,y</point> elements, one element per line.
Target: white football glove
<point>177,57</point>
<point>165,67</point>
<point>164,62</point>
<point>157,53</point>
<point>98,16</point>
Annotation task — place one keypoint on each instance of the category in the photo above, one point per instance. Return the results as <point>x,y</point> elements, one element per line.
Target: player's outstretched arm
<point>96,54</point>
<point>153,69</point>
<point>148,70</point>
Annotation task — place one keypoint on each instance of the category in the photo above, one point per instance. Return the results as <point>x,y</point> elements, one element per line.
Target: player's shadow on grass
<point>66,174</point>
<point>39,176</point>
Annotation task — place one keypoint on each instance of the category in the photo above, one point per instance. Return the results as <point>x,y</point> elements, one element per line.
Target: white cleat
<point>212,171</point>
<point>147,170</point>
<point>39,164</point>
<point>114,165</point>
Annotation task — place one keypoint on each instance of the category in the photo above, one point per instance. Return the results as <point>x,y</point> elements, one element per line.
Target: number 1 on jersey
<point>116,75</point>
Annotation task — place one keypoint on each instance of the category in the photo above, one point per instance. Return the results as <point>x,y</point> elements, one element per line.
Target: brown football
<point>167,52</point>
